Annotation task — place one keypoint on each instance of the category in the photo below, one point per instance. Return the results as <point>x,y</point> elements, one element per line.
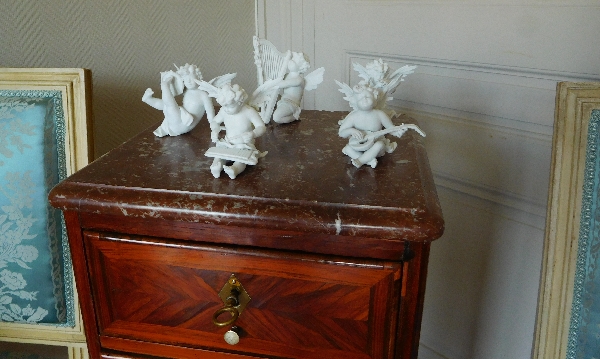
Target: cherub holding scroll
<point>242,124</point>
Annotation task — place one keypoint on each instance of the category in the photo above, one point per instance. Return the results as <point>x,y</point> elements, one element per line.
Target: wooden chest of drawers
<point>333,258</point>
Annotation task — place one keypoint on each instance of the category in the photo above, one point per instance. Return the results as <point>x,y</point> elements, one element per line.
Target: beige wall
<point>126,44</point>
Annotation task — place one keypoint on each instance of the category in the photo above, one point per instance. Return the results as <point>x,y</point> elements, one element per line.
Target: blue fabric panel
<point>584,336</point>
<point>32,248</point>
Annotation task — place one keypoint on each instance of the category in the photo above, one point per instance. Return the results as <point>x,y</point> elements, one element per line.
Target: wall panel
<point>484,93</point>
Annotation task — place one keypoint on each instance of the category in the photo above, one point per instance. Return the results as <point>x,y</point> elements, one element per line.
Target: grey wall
<point>127,44</point>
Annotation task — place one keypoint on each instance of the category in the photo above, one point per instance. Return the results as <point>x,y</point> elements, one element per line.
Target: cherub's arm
<point>384,119</point>
<point>215,126</point>
<point>387,123</point>
<point>208,107</point>
<point>259,125</point>
<point>151,100</point>
<point>278,83</point>
<point>293,82</point>
<point>168,98</point>
<point>347,128</point>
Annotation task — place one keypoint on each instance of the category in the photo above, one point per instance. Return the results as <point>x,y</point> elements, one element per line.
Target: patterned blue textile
<point>35,283</point>
<point>584,334</point>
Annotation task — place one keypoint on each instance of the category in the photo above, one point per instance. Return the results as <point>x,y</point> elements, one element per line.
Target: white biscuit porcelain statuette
<point>281,76</point>
<point>242,124</point>
<point>180,119</point>
<point>369,122</point>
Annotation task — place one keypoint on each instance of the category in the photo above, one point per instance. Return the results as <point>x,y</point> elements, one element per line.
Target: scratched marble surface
<point>303,183</point>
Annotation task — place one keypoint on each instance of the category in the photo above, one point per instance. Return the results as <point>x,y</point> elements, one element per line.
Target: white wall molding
<point>260,18</point>
<point>515,206</point>
<point>529,73</point>
<point>516,209</point>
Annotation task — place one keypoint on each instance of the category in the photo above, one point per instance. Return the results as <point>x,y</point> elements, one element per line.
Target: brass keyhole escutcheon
<point>235,298</point>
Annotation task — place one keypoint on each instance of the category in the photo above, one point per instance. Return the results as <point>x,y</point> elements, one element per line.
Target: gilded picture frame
<point>570,236</point>
<point>69,92</point>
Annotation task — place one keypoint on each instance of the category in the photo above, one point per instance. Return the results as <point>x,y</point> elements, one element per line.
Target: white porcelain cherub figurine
<point>292,86</point>
<point>367,126</point>
<point>242,124</point>
<point>281,74</point>
<point>180,119</point>
<point>378,75</point>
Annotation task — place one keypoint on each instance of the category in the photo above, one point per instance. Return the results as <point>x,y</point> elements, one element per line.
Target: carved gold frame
<point>574,105</point>
<point>75,86</point>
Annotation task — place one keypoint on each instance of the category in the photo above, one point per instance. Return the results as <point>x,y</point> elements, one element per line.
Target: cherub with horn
<point>195,102</point>
<point>242,124</point>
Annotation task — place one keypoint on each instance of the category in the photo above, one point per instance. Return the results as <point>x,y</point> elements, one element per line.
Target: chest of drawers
<point>330,261</point>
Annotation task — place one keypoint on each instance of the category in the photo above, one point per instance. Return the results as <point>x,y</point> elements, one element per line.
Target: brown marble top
<point>304,183</point>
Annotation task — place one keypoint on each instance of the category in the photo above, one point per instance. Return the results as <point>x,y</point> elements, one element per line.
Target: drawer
<point>152,292</point>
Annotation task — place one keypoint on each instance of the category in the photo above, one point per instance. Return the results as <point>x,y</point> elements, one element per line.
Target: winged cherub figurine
<point>367,125</point>
<point>283,77</point>
<point>377,74</point>
<point>242,124</point>
<point>195,102</point>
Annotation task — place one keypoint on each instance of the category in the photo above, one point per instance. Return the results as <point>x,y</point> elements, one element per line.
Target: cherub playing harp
<point>282,79</point>
<point>368,123</point>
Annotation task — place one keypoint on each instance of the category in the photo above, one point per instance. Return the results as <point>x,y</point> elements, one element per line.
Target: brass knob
<point>230,307</point>
<point>235,298</point>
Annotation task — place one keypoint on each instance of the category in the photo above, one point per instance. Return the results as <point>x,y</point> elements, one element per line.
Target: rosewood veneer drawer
<point>153,292</point>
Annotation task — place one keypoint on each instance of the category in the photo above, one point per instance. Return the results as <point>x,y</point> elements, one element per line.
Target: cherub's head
<point>299,62</point>
<point>188,74</point>
<point>231,98</point>
<point>364,97</point>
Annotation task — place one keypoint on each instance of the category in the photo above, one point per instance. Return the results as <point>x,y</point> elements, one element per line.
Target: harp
<point>270,64</point>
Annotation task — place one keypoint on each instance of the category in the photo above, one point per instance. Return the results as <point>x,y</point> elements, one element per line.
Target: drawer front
<point>153,291</point>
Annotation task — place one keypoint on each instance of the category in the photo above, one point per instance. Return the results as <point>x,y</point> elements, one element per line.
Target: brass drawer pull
<point>235,298</point>
<point>228,308</point>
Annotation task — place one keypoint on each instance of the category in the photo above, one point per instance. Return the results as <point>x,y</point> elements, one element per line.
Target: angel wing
<point>404,71</point>
<point>263,93</point>
<point>396,77</point>
<point>389,86</point>
<point>313,79</point>
<point>347,90</point>
<point>362,71</point>
<point>219,81</point>
<point>207,87</point>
